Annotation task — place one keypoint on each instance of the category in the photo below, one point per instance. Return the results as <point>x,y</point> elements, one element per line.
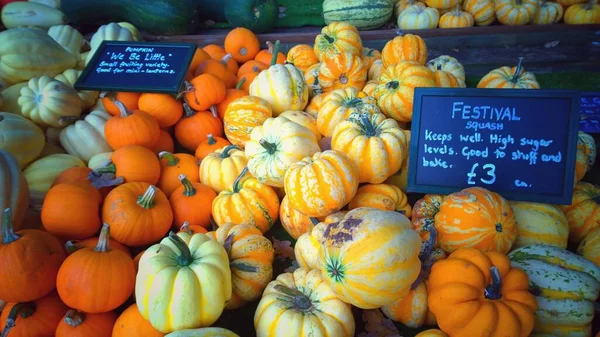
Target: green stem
<point>300,300</point>
<point>74,318</point>
<point>493,291</point>
<point>189,112</point>
<point>104,239</point>
<point>122,108</point>
<point>240,84</point>
<point>211,139</point>
<point>188,187</point>
<point>8,232</point>
<point>353,102</point>
<point>24,310</point>
<point>237,183</point>
<point>393,85</point>
<point>72,246</point>
<point>314,221</point>
<point>328,38</point>
<point>270,147</point>
<point>185,258</point>
<point>108,169</point>
<point>517,74</point>
<point>172,160</point>
<point>365,121</point>
<point>225,153</point>
<point>275,53</point>
<point>147,199</point>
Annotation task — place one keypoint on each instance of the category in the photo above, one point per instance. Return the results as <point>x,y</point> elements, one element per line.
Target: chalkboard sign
<point>518,143</point>
<point>137,67</point>
<point>590,112</point>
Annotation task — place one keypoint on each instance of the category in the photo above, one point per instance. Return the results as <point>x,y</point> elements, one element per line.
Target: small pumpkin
<point>250,259</point>
<point>230,96</point>
<point>124,166</point>
<point>450,65</point>
<point>243,115</point>
<point>340,104</point>
<point>315,104</point>
<point>131,128</point>
<point>375,70</point>
<point>41,173</point>
<point>131,324</point>
<point>231,64</point>
<point>418,17</point>
<point>311,75</point>
<point>213,50</point>
<point>138,213</point>
<point>516,12</point>
<point>294,222</point>
<point>79,324</point>
<point>582,213</point>
<point>129,99</point>
<point>85,138</point>
<point>204,332</point>
<point>251,66</point>
<point>166,109</point>
<point>247,201</point>
<point>338,37</point>
<point>14,193</point>
<point>220,169</point>
<point>302,56</point>
<point>74,245</point>
<point>246,80</point>
<point>423,215</point>
<point>343,70</point>
<point>210,145</point>
<point>483,11</point>
<point>540,224</point>
<point>549,13</point>
<point>88,97</point>
<point>369,56</point>
<point>172,165</point>
<point>195,127</point>
<point>586,155</point>
<point>457,19</point>
<point>242,44</point>
<point>403,4</point>
<point>199,57</point>
<point>381,196</point>
<point>219,69</point>
<point>302,299</point>
<point>509,78</point>
<point>204,92</point>
<point>406,47</point>
<point>589,247</point>
<point>309,244</point>
<point>444,79</point>
<point>369,88</point>
<point>165,143</point>
<point>38,318</point>
<point>266,56</point>
<point>305,119</point>
<point>191,203</point>
<point>587,14</point>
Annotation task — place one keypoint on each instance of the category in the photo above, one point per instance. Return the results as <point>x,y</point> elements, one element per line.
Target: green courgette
<point>257,15</point>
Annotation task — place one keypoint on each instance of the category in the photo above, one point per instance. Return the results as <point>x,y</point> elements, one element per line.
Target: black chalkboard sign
<point>137,67</point>
<point>590,112</point>
<point>519,143</point>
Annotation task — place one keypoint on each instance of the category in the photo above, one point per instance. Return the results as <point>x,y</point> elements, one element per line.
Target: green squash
<point>257,15</point>
<point>362,14</point>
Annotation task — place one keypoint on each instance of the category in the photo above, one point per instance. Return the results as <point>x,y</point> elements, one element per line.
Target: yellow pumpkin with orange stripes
<point>338,37</point>
<point>242,116</point>
<point>343,70</point>
<point>509,78</point>
<point>583,213</point>
<point>540,224</point>
<point>338,105</point>
<point>381,196</point>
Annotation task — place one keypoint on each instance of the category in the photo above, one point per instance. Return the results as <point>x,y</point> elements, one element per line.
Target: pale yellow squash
<point>11,95</point>
<point>109,32</point>
<point>68,37</point>
<point>549,13</point>
<point>305,119</point>
<point>418,17</point>
<point>85,138</point>
<point>21,137</point>
<point>42,172</point>
<point>88,97</point>
<point>540,224</point>
<point>100,160</point>
<point>283,86</point>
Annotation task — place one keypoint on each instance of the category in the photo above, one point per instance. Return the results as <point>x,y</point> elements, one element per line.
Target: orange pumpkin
<point>246,79</point>
<point>129,99</point>
<point>124,166</point>
<point>242,44</point>
<point>583,213</point>
<point>191,203</point>
<point>343,70</point>
<point>369,56</point>
<point>302,56</point>
<point>33,319</point>
<point>199,56</point>
<point>444,79</point>
<point>78,175</point>
<point>165,143</point>
<point>138,213</point>
<point>74,245</point>
<point>251,66</point>
<point>381,196</point>
<point>195,127</point>
<point>213,50</point>
<point>476,218</point>
<point>204,92</point>
<point>172,165</point>
<point>131,128</point>
<point>79,324</point>
<point>219,69</point>
<point>230,96</point>
<point>210,145</point>
<point>242,116</point>
<point>166,109</point>
<point>191,230</point>
<point>231,64</point>
<point>407,47</point>
<point>132,324</point>
<point>266,55</point>
<point>107,273</point>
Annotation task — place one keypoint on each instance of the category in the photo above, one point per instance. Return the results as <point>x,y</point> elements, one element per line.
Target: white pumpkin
<point>68,37</point>
<point>283,86</point>
<point>85,138</point>
<point>109,32</point>
<point>418,16</point>
<point>69,77</point>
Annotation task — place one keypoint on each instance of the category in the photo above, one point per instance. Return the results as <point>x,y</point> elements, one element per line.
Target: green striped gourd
<point>363,14</point>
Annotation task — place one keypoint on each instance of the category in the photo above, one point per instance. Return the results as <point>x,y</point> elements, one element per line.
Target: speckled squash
<point>294,222</point>
<point>305,119</point>
<point>583,213</point>
<point>338,37</point>
<point>338,105</point>
<point>516,12</point>
<point>549,13</point>
<point>381,196</point>
<point>404,48</point>
<point>311,75</point>
<point>483,11</point>
<point>423,216</point>
<point>302,56</point>
<point>375,70</point>
<point>219,169</point>
<point>448,64</point>
<point>418,17</point>
<point>509,78</point>
<point>583,14</point>
<point>590,247</point>
<point>243,115</point>
<point>540,224</point>
<point>343,70</point>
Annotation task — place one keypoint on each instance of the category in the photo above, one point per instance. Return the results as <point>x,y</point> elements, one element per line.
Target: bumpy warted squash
<point>338,37</point>
<point>274,146</point>
<point>381,196</point>
<point>131,128</point>
<point>14,192</point>
<point>38,318</point>
<point>79,324</point>
<point>301,303</point>
<point>509,78</point>
<point>247,201</point>
<point>374,143</point>
<point>220,169</point>
<point>375,279</point>
<point>194,264</point>
<point>302,56</point>
<point>583,213</point>
<point>173,165</point>
<point>250,260</point>
<point>476,218</point>
<point>404,48</point>
<point>124,166</point>
<point>448,64</point>
<point>132,324</point>
<point>21,138</point>
<point>338,105</point>
<point>243,115</point>
<point>343,70</point>
<point>191,202</point>
<point>540,224</point>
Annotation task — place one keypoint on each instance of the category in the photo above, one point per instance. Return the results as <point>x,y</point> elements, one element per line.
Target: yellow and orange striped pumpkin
<point>483,11</point>
<point>450,65</point>
<point>381,196</point>
<point>338,105</point>
<point>369,88</point>
<point>315,104</point>
<point>338,37</point>
<point>311,75</point>
<point>302,56</point>
<point>407,47</point>
<point>294,222</point>
<point>586,155</point>
<point>369,56</point>
<point>375,70</point>
<point>308,245</point>
<point>590,247</point>
<point>442,4</point>
<point>457,19</point>
<point>549,13</point>
<point>583,213</point>
<point>242,116</point>
<point>305,119</point>
<point>583,14</point>
<point>516,12</point>
<point>509,78</point>
<point>540,224</point>
<point>340,71</point>
<point>444,79</point>
<point>423,215</point>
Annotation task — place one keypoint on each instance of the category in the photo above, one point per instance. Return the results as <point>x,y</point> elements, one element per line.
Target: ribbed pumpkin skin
<point>448,64</point>
<point>41,173</point>
<point>85,138</point>
<point>516,12</point>
<point>294,222</point>
<point>69,77</point>
<point>585,14</point>
<point>321,184</point>
<point>243,115</point>
<point>482,10</point>
<point>456,19</point>
<point>302,56</point>
<point>586,154</point>
<point>418,17</point>
<point>204,332</point>
<point>590,247</point>
<point>343,70</point>
<point>509,78</point>
<point>305,119</point>
<point>375,70</point>
<point>363,14</point>
<point>423,215</point>
<point>21,138</point>
<point>410,310</point>
<point>301,304</point>
<point>338,105</point>
<point>283,86</point>
<point>337,37</point>
<point>308,246</point>
<point>476,218</point>
<point>96,325</point>
<point>404,48</point>
<point>584,212</point>
<point>395,91</point>
<point>540,224</point>
<point>375,279</point>
<point>548,13</point>
<point>311,75</point>
<point>132,324</point>
<point>444,79</point>
<point>220,168</point>
<point>14,192</point>
<point>381,196</point>
<point>375,144</point>
<point>369,56</point>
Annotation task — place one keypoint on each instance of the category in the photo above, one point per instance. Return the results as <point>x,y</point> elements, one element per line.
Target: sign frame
<point>180,75</point>
<point>589,94</point>
<point>573,128</point>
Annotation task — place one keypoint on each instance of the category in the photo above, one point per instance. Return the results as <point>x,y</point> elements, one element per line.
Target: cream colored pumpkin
<point>68,37</point>
<point>100,160</point>
<point>418,17</point>
<point>20,137</point>
<point>42,172</point>
<point>137,36</point>
<point>85,138</point>
<point>283,86</point>
<point>109,32</point>
<point>10,96</point>
<point>274,146</point>
<point>448,64</point>
<point>69,77</point>
<point>549,13</point>
<point>45,100</point>
<point>303,118</point>
<point>540,224</point>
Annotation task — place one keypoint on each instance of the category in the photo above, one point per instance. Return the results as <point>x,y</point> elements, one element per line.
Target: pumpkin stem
<point>225,153</point>
<point>492,291</point>
<point>108,94</point>
<point>147,199</point>
<point>104,239</point>
<point>72,246</point>
<point>122,108</point>
<point>590,5</point>
<point>20,309</point>
<point>188,188</point>
<point>238,180</point>
<point>213,109</point>
<point>353,102</point>
<point>110,168</point>
<point>8,232</point>
<point>211,139</point>
<point>270,47</point>
<point>105,176</point>
<point>66,120</point>
<point>393,85</point>
<point>364,121</point>
<point>301,301</point>
<point>185,258</point>
<point>270,147</point>
<point>518,70</point>
<point>226,58</point>
<point>240,84</point>
<point>188,88</point>
<point>185,228</point>
<point>189,112</point>
<point>171,159</point>
<point>275,52</point>
<point>328,38</point>
<point>74,318</point>
<point>457,10</point>
<point>314,221</point>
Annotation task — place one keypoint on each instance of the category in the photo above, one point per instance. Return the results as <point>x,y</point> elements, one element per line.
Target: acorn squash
<point>10,97</point>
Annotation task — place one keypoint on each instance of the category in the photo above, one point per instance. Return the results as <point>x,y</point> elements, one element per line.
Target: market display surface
<point>164,189</point>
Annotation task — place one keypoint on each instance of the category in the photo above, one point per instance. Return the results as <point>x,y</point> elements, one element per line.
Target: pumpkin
<point>73,175</point>
<point>138,213</point>
<point>109,32</point>
<point>20,137</point>
<point>403,4</point>
<point>206,279</point>
<point>71,211</point>
<point>497,296</point>
<point>444,79</point>
<point>374,143</point>
<point>166,109</point>
<point>266,56</point>
<point>220,169</point>
<point>30,262</point>
<point>375,70</point>
<point>483,11</point>
<point>431,333</point>
<point>400,178</point>
<point>230,96</point>
<point>315,104</point>
<point>45,100</point>
<point>124,166</point>
<point>173,165</point>
<point>516,12</point>
<point>247,201</point>
<point>14,193</point>
<point>250,259</point>
<point>199,57</point>
<point>369,56</point>
<point>79,324</point>
<point>191,202</point>
<point>303,118</point>
<point>423,215</point>
<point>404,48</point>
<point>450,65</point>
<point>274,146</point>
<point>308,245</point>
<point>442,4</point>
<point>231,64</point>
<point>219,69</point>
<point>131,324</point>
<point>131,128</point>
<point>246,80</point>
<point>252,66</point>
<point>395,91</point>
<point>338,37</point>
<point>311,75</point>
<point>243,115</point>
<point>41,173</point>
<point>549,13</point>
<point>583,212</point>
<point>195,126</point>
<point>283,86</point>
<point>165,143</point>
<point>586,155</point>
<point>109,273</point>
<point>540,224</point>
<point>589,247</point>
<point>74,245</point>
<point>210,145</point>
<point>340,104</point>
<point>38,318</point>
<point>242,44</point>
<point>10,97</point>
<point>129,99</point>
<point>369,88</point>
<point>303,304</point>
<point>302,56</point>
<point>213,50</point>
<point>566,286</point>
<point>376,279</point>
<point>418,17</point>
<point>381,196</point>
<point>343,70</point>
<point>85,138</point>
<point>509,78</point>
<point>588,13</point>
<point>294,222</point>
<point>100,160</point>
<point>457,19</point>
<point>88,97</point>
<point>496,228</point>
<point>204,92</point>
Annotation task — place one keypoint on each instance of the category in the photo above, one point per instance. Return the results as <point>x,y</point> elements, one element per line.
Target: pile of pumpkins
<point>315,140</point>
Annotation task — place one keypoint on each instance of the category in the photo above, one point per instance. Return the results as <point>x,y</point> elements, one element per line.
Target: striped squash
<point>362,14</point>
<point>540,224</point>
<point>338,105</point>
<point>242,116</point>
<point>586,155</point>
<point>590,247</point>
<point>381,196</point>
<point>338,37</point>
<point>583,213</point>
<point>482,10</point>
<point>343,70</point>
<point>283,86</point>
<point>448,64</point>
<point>516,12</point>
